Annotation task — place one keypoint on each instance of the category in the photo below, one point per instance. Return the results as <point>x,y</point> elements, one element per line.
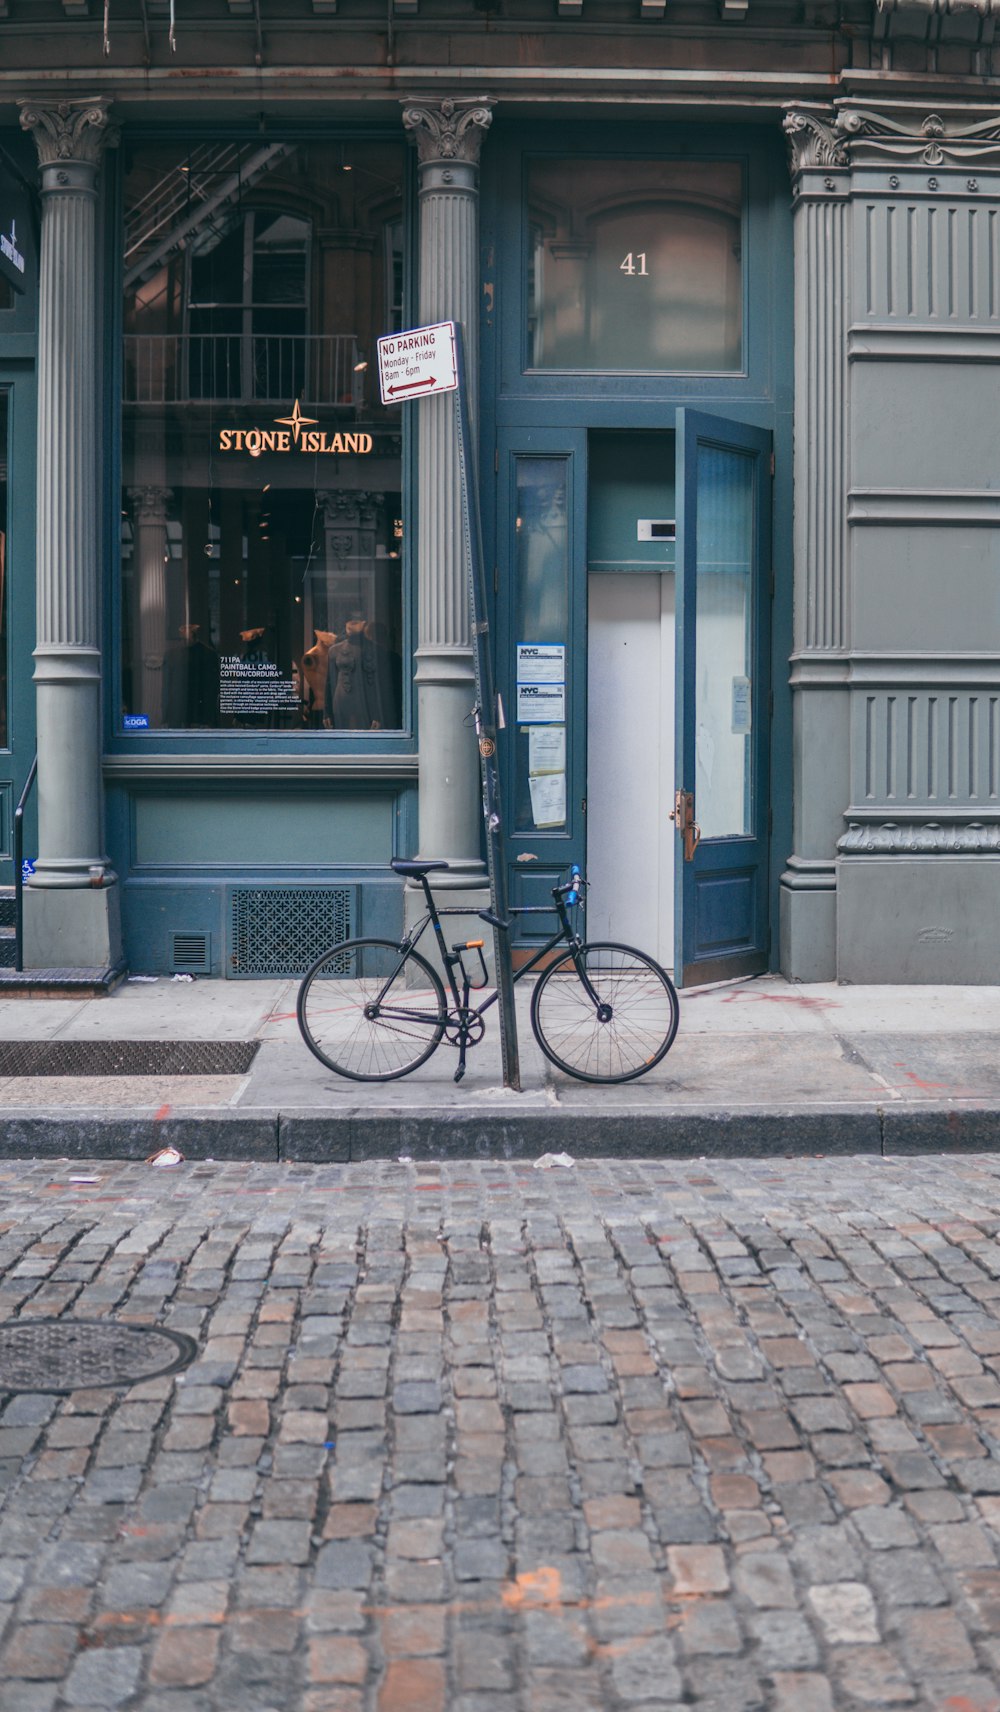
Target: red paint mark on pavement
<point>801,1000</point>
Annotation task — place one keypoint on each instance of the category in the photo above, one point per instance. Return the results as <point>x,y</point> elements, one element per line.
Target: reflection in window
<point>634,265</point>
<point>261,506</point>
<point>4,733</point>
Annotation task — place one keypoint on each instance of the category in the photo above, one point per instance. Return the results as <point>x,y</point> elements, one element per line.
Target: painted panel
<point>936,746</point>
<point>725,913</point>
<point>276,830</point>
<point>926,588</point>
<point>928,259</point>
<point>899,411</point>
<point>6,821</point>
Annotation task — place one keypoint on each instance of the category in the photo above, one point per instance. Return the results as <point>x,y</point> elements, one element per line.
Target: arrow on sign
<point>413,386</point>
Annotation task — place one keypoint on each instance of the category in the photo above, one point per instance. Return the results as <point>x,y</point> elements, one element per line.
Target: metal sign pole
<point>487,724</point>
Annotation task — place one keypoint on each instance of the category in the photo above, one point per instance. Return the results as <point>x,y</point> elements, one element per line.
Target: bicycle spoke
<point>624,1033</point>
<point>375,1026</point>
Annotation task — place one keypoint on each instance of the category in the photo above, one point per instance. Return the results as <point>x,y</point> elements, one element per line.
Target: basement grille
<point>281,930</point>
<point>191,953</point>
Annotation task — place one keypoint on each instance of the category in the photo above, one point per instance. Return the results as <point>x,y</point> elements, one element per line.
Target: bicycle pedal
<point>459,1073</point>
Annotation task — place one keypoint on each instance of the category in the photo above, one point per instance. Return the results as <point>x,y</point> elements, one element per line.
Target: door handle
<point>682,815</point>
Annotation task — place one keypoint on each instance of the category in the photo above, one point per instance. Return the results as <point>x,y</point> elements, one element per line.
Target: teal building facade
<point>729,283</point>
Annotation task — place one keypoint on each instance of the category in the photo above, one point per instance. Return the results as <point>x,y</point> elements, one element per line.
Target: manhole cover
<point>127,1057</point>
<point>76,1355</point>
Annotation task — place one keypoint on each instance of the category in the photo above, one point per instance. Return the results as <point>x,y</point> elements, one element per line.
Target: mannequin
<point>190,681</point>
<point>352,702</point>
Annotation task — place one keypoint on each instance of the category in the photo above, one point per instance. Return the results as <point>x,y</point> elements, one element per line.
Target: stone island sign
<point>294,433</point>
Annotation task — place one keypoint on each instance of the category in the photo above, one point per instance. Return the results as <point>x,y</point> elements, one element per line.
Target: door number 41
<point>634,264</point>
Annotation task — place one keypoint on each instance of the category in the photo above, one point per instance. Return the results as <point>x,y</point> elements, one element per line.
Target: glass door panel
<point>724,641</point>
<point>721,803</point>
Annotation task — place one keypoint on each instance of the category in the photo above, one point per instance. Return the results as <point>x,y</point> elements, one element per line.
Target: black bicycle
<point>374,1010</point>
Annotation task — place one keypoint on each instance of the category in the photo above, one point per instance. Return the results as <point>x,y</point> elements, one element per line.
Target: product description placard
<point>254,687</point>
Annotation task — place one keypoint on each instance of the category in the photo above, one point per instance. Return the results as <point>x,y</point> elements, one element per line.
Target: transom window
<point>634,265</point>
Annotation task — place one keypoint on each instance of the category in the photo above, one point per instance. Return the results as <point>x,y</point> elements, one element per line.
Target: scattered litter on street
<point>166,1156</point>
<point>142,980</point>
<point>549,1160</point>
<point>405,1159</point>
<point>182,977</point>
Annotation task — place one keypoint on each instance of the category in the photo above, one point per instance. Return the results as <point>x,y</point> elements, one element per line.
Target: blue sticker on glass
<point>135,721</point>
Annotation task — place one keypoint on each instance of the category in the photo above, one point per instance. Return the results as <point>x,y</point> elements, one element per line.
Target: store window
<point>262,517</point>
<point>634,265</point>
<point>4,414</point>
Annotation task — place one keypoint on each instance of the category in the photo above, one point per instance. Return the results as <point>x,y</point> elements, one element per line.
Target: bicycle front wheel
<point>628,1030</point>
<point>371,1011</point>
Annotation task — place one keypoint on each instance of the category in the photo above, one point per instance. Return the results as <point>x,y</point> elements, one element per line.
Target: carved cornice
<point>77,131</point>
<point>848,135</point>
<point>931,839</point>
<point>451,130</point>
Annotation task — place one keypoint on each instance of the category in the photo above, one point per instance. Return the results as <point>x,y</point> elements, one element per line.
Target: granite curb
<point>478,1133</point>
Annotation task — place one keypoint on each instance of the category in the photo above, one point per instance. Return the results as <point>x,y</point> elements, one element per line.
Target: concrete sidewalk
<point>758,1067</point>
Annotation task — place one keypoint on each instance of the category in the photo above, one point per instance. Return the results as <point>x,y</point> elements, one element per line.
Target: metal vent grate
<point>191,952</point>
<point>281,930</point>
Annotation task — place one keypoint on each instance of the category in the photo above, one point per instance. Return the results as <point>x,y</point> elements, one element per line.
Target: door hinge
<point>583,805</point>
<point>496,579</point>
<point>496,461</point>
<point>770,706</point>
<point>772,463</point>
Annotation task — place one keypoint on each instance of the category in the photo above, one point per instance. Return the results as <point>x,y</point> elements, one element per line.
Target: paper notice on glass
<point>548,799</point>
<point>546,749</point>
<point>543,704</point>
<point>741,706</point>
<point>541,663</point>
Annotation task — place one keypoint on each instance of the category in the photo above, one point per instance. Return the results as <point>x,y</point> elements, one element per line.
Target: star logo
<point>296,422</point>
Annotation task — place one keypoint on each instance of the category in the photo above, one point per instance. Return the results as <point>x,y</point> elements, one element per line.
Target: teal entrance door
<point>721,800</point>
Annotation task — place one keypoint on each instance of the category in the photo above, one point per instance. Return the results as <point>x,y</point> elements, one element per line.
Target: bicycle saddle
<point>404,867</point>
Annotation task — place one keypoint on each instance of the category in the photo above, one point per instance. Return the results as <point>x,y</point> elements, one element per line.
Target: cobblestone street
<point>491,1439</point>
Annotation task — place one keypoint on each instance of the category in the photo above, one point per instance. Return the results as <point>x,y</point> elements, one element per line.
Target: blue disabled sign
<point>27,869</point>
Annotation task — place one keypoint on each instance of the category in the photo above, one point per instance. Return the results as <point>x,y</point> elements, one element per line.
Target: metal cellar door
<point>720,809</point>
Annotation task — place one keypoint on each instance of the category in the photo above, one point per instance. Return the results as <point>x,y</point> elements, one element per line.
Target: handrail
<point>18,865</point>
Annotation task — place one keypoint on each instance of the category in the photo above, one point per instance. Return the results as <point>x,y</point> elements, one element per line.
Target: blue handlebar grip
<point>575,876</point>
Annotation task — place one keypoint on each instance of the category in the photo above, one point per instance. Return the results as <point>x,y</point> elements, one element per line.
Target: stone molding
<point>932,838</point>
<point>77,131</point>
<point>449,130</point>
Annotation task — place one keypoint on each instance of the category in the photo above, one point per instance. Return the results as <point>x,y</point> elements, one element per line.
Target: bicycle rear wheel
<point>370,1011</point>
<point>628,1031</point>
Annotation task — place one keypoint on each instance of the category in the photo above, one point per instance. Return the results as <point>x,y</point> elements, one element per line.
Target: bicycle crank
<point>464,1029</point>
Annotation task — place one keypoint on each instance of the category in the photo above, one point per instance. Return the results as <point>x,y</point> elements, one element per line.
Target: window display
<point>262,516</point>
<point>634,265</point>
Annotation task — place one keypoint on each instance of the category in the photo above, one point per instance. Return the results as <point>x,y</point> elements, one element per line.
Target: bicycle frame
<point>565,934</point>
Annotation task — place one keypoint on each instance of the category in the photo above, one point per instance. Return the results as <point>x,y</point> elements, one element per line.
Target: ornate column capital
<point>69,134</point>
<point>150,503</point>
<point>814,139</point>
<point>449,130</point>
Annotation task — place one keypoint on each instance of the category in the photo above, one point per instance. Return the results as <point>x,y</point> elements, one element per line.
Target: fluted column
<point>149,521</point>
<point>448,135</point>
<point>819,665</point>
<point>70,921</point>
